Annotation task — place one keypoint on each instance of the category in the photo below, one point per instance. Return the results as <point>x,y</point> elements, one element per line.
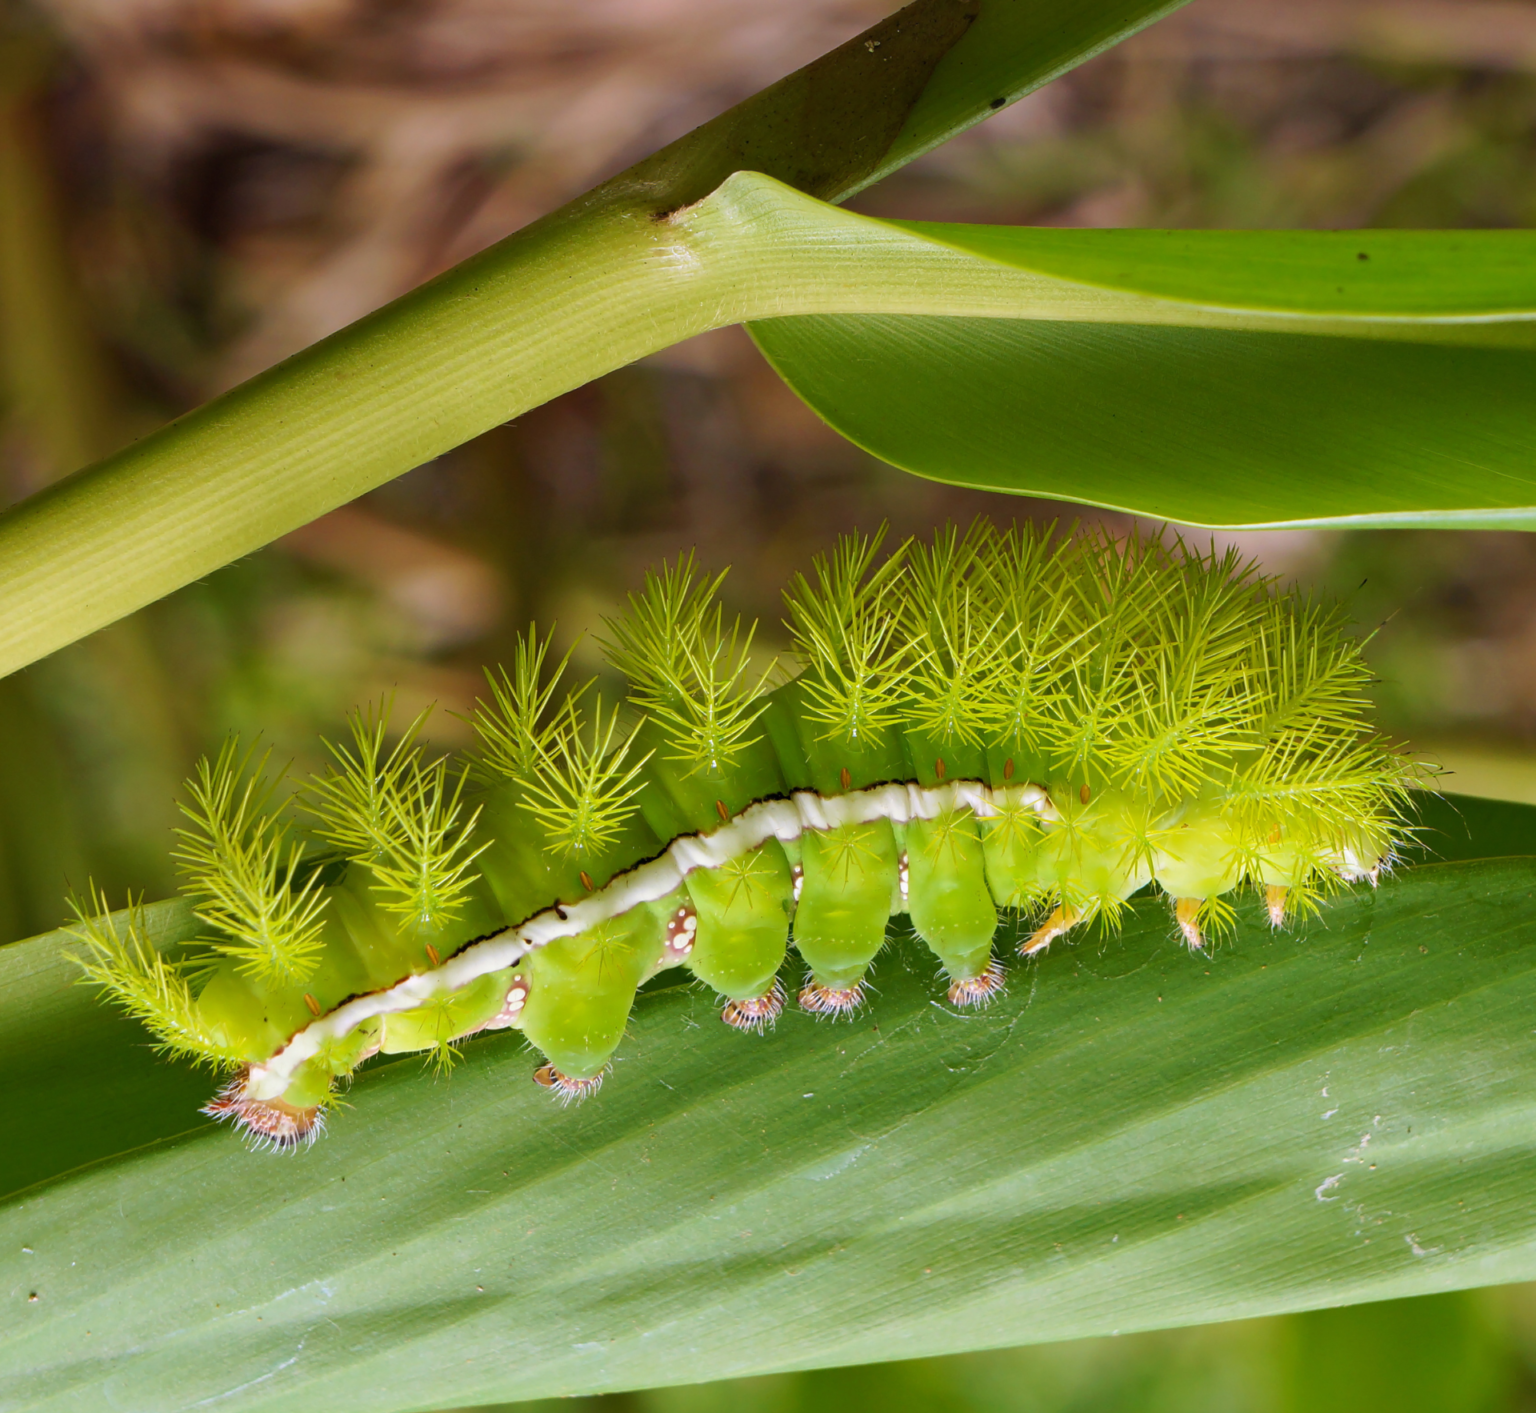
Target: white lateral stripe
<point>785,820</point>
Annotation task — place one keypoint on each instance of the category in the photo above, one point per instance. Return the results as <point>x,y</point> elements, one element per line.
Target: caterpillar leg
<point>756,1013</point>
<point>567,1089</point>
<point>277,1124</point>
<point>1199,861</point>
<point>949,903</point>
<point>580,990</point>
<point>980,990</point>
<point>1060,922</point>
<point>1186,912</point>
<point>1012,842</point>
<point>742,932</point>
<point>822,1000</point>
<point>845,900</point>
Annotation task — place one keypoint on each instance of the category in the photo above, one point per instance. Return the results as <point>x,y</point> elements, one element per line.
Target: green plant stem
<point>596,285</point>
<point>565,302</point>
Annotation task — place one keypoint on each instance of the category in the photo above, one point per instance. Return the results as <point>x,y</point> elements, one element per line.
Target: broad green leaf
<point>1450,828</point>
<point>1132,1138</point>
<point>1258,378</point>
<point>1476,278</point>
<point>607,279</point>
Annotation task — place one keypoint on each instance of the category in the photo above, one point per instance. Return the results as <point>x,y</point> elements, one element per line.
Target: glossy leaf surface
<point>1132,1138</point>
<point>1225,378</point>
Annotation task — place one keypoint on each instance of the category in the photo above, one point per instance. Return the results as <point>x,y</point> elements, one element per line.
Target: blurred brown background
<point>192,189</point>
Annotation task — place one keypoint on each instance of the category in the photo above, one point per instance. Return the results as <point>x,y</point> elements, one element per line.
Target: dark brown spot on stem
<point>586,880</point>
<point>846,778</point>
<point>938,767</point>
<point>720,809</point>
<point>1085,794</point>
<point>432,952</point>
<point>314,1005</point>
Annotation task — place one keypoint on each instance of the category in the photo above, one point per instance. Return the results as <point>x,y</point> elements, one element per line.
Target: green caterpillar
<point>999,719</point>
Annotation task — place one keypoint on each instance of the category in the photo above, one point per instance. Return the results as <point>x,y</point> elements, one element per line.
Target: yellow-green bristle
<point>242,870</point>
<point>400,815</point>
<point>686,671</point>
<point>846,629</point>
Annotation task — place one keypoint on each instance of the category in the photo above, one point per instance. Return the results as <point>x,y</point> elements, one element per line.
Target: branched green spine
<point>685,670</point>
<point>584,786</point>
<point>951,615</point>
<point>243,870</point>
<point>576,778</point>
<point>516,729</point>
<point>1043,631</point>
<point>400,816</point>
<point>846,630</point>
<point>123,962</point>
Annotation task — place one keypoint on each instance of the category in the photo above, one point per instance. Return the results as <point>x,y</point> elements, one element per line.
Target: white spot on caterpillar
<point>904,874</point>
<point>799,876</point>
<point>682,929</point>
<point>512,1007</point>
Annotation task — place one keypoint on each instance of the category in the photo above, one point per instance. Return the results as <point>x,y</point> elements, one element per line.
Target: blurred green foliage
<point>1451,1353</point>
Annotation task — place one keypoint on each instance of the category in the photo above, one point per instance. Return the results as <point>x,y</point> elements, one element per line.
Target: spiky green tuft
<point>401,816</point>
<point>1044,633</point>
<point>584,786</point>
<point>951,614</point>
<point>243,871</point>
<point>576,777</point>
<point>517,728</point>
<point>1143,666</point>
<point>123,962</point>
<point>685,670</point>
<point>847,632</point>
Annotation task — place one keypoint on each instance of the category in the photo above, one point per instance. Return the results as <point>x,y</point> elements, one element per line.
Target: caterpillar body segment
<point>996,721</point>
<point>742,914</point>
